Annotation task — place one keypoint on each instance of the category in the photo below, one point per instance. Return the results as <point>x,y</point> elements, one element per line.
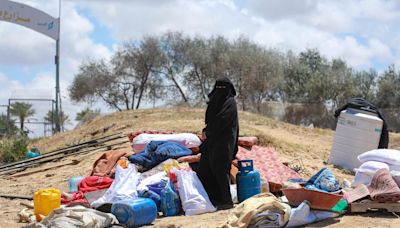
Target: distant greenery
<point>22,110</point>
<point>87,114</point>
<point>3,126</point>
<point>13,149</point>
<point>64,118</point>
<point>180,69</point>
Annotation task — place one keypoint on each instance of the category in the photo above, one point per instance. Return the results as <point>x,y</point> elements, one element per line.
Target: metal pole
<point>57,116</point>
<point>8,119</point>
<point>52,117</point>
<point>58,97</point>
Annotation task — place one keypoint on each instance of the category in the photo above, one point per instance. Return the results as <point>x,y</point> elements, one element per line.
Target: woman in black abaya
<point>220,146</point>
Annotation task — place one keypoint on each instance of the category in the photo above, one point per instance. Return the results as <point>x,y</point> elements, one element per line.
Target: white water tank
<point>357,131</point>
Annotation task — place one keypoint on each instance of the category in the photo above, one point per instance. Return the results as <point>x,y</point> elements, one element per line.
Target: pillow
<point>187,140</point>
<point>370,167</point>
<point>389,156</point>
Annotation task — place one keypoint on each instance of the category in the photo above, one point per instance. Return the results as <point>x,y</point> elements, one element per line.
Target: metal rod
<point>27,99</point>
<point>57,114</point>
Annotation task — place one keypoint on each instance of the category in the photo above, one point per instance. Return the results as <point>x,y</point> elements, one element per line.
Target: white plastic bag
<point>192,193</point>
<point>124,186</point>
<point>233,189</point>
<point>362,178</point>
<point>153,179</point>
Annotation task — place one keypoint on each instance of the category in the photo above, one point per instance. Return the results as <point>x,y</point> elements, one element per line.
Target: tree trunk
<point>133,96</point>
<point>180,89</point>
<point>142,86</point>
<point>21,124</point>
<point>201,84</point>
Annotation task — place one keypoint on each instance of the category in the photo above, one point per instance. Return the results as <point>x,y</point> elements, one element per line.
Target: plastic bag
<point>123,187</point>
<point>192,193</point>
<point>170,204</point>
<point>175,164</point>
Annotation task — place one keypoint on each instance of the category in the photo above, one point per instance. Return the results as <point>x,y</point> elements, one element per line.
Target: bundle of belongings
<point>132,189</point>
<point>304,202</point>
<point>377,178</point>
<point>142,183</point>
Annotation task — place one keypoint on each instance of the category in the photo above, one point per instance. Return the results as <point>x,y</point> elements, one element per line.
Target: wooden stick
<point>16,197</point>
<point>10,170</point>
<point>73,162</point>
<point>28,205</point>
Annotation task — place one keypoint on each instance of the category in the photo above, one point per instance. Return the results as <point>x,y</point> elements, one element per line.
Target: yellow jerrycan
<point>44,201</point>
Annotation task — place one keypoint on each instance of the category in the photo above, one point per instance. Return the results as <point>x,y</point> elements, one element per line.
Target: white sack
<point>123,187</point>
<point>389,156</point>
<point>153,179</point>
<point>192,193</point>
<point>370,167</point>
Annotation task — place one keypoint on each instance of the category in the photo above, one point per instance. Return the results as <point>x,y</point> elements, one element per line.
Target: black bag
<point>362,104</point>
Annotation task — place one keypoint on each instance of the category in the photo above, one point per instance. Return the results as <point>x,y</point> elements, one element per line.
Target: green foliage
<point>22,110</point>
<point>3,126</point>
<point>87,114</point>
<point>13,149</point>
<point>174,68</point>
<point>388,94</point>
<point>50,117</point>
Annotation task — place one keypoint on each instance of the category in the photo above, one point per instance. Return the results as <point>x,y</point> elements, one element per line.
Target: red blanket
<point>88,184</point>
<point>266,162</point>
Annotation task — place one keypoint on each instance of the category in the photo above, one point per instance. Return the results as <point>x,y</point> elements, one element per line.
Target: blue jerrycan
<point>247,180</point>
<point>135,212</point>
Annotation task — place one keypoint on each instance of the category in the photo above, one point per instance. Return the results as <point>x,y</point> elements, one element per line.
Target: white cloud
<point>361,32</point>
<point>337,28</point>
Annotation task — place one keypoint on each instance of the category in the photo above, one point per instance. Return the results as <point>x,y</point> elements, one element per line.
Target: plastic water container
<point>170,203</point>
<point>44,201</point>
<point>73,183</point>
<point>247,180</point>
<point>135,212</point>
<point>357,131</point>
<point>31,154</point>
<point>264,186</point>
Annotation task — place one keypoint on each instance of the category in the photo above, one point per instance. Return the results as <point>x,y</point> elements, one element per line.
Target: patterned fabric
<point>324,180</point>
<point>383,188</point>
<point>267,163</point>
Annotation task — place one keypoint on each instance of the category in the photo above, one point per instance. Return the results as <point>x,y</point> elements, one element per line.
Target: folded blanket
<point>157,152</point>
<point>383,188</point>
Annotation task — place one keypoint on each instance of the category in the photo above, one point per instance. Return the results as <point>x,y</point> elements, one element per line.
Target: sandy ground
<point>310,146</point>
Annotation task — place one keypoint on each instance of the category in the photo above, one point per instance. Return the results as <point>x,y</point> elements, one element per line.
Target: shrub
<point>13,149</point>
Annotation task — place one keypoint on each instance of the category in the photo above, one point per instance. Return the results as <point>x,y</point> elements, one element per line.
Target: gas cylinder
<point>247,180</point>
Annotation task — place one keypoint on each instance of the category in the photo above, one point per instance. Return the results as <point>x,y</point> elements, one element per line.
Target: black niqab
<point>223,89</point>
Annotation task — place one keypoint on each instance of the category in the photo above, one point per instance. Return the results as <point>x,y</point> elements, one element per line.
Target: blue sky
<point>364,33</point>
